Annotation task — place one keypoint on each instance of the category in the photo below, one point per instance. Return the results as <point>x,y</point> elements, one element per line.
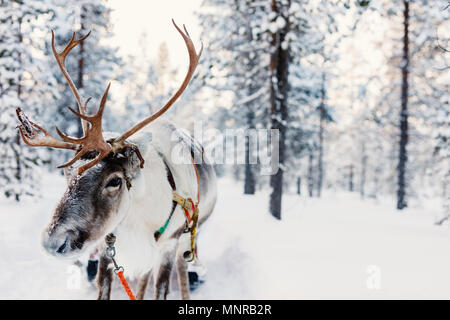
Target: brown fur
<point>183,280</point>
<point>161,277</point>
<point>142,286</point>
<point>104,278</point>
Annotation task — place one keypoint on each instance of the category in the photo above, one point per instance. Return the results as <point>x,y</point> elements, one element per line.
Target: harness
<point>190,209</point>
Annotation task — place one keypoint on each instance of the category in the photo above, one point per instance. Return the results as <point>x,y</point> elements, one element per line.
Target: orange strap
<point>125,285</point>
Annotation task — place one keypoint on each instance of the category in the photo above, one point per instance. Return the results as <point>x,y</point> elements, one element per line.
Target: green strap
<point>163,228</point>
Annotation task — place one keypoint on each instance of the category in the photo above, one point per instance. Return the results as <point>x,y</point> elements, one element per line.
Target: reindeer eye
<point>114,182</point>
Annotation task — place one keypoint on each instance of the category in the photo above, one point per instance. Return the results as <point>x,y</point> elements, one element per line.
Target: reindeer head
<point>97,196</point>
<point>93,205</point>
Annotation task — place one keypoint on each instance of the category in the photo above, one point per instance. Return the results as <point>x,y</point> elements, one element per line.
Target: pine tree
<point>403,157</point>
<point>413,91</point>
<point>24,82</point>
<point>251,46</point>
<point>298,29</point>
<point>238,43</point>
<point>279,88</point>
<point>371,140</point>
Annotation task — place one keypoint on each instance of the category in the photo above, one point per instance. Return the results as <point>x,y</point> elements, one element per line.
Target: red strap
<point>198,180</point>
<point>188,217</point>
<point>125,285</point>
<point>186,212</point>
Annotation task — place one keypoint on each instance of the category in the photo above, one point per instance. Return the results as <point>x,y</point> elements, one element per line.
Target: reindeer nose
<point>56,245</point>
<point>63,247</point>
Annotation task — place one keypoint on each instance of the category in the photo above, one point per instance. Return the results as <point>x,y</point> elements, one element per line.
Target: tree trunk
<point>363,171</point>
<point>20,40</point>
<point>321,130</point>
<point>403,157</point>
<point>249,180</point>
<point>81,63</point>
<point>350,179</point>
<point>299,185</point>
<point>279,87</point>
<point>310,174</point>
<point>19,97</point>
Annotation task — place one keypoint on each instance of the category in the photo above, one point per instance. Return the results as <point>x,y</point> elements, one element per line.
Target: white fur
<point>149,202</point>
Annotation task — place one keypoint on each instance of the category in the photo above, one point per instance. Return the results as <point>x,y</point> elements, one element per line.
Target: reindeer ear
<point>134,161</point>
<point>129,160</point>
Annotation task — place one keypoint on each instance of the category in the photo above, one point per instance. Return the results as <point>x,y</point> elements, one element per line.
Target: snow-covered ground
<point>335,247</point>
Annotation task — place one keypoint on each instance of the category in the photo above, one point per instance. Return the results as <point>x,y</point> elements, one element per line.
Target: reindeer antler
<point>118,142</point>
<point>61,60</point>
<point>92,139</point>
<point>92,135</point>
<point>31,136</point>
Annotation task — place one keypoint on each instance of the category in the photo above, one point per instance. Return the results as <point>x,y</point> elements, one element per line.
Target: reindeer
<point>133,186</point>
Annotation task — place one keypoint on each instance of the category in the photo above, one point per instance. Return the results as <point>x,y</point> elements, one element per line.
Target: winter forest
<point>351,96</point>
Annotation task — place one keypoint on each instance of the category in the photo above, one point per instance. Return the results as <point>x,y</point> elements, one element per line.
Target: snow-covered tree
<point>251,45</point>
<point>24,82</point>
<point>236,59</point>
<point>414,50</point>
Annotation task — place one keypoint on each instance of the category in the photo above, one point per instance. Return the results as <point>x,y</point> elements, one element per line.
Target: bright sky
<point>131,18</point>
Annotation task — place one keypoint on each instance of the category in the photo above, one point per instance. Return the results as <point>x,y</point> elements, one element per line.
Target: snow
<point>337,247</point>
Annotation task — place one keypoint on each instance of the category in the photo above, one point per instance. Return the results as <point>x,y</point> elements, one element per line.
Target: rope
<point>125,285</point>
<point>110,252</point>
